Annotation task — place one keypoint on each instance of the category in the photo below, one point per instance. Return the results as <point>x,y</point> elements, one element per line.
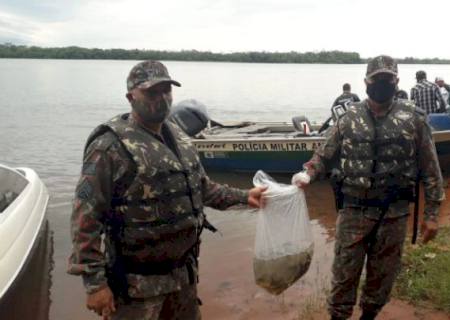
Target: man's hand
<point>301,179</point>
<point>429,230</point>
<point>102,302</point>
<point>256,198</point>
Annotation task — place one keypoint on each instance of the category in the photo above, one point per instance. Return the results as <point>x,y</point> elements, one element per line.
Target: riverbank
<point>226,276</point>
<point>10,50</point>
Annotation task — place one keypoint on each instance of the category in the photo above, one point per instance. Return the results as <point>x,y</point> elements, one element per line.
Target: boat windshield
<point>12,184</point>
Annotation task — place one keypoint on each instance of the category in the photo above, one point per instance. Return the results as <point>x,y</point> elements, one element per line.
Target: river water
<point>49,107</point>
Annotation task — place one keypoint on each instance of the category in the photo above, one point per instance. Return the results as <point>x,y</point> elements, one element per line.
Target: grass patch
<point>316,302</point>
<point>312,305</point>
<point>425,275</point>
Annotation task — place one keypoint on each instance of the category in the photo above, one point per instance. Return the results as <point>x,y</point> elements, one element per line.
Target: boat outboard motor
<point>190,115</point>
<point>302,125</point>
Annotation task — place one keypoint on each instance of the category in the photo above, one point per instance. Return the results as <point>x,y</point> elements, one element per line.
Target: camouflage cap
<point>381,64</point>
<point>148,73</point>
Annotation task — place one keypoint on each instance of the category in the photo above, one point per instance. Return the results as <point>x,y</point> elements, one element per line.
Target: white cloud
<point>370,28</point>
<point>15,27</point>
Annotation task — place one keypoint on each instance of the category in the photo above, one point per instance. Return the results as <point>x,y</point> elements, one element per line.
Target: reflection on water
<point>29,297</point>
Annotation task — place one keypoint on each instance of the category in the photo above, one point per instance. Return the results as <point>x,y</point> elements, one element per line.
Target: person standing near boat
<point>143,188</point>
<point>444,89</point>
<point>346,97</point>
<point>426,95</point>
<point>401,94</point>
<point>378,150</point>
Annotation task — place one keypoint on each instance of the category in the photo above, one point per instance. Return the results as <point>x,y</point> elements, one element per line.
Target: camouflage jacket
<point>107,166</point>
<point>330,154</point>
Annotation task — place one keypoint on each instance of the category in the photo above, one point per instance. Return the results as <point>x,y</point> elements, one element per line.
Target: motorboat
<point>248,147</point>
<point>23,203</point>
<point>273,146</point>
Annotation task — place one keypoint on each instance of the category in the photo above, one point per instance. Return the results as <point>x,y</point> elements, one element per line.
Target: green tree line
<point>8,50</point>
<point>32,52</point>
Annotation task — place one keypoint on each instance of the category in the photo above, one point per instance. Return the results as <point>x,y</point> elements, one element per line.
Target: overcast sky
<point>399,28</point>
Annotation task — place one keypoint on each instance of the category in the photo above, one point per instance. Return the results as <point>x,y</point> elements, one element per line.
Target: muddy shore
<point>226,283</point>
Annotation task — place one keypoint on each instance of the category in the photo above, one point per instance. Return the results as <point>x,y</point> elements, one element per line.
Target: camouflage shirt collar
<point>134,123</point>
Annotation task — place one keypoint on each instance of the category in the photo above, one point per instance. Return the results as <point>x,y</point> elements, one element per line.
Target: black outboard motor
<point>190,115</point>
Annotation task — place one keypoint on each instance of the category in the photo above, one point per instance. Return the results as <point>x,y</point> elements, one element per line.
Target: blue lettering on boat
<point>265,146</point>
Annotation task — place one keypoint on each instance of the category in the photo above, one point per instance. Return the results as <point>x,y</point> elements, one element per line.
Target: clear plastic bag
<point>284,242</point>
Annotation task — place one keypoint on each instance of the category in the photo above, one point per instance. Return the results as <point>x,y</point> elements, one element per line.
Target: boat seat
<point>6,198</point>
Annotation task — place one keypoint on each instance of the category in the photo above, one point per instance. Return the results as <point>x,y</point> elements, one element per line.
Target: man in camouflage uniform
<point>346,97</point>
<point>142,189</point>
<point>378,150</point>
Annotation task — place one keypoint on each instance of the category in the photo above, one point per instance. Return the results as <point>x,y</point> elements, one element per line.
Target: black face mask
<point>381,91</point>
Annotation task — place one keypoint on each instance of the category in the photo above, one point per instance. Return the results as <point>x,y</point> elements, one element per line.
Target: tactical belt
<point>349,200</point>
<point>384,201</point>
<point>384,158</point>
<point>156,268</point>
<point>158,222</point>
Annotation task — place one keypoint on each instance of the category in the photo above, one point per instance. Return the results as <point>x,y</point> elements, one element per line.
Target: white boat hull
<point>20,225</point>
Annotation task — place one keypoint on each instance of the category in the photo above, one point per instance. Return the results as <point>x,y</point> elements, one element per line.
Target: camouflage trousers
<point>178,305</point>
<point>355,244</point>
